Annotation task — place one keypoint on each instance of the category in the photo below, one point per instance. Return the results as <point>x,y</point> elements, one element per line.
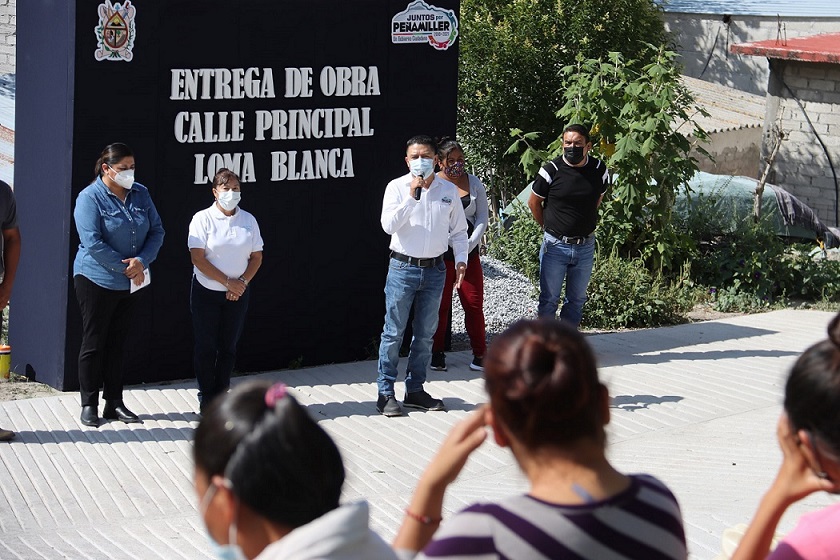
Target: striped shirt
<point>642,522</point>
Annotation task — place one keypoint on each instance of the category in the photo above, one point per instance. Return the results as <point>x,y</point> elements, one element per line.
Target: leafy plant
<point>623,294</point>
<point>519,244</point>
<point>511,53</point>
<point>635,109</point>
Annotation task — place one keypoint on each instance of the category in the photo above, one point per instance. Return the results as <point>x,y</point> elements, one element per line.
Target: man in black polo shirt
<point>564,200</point>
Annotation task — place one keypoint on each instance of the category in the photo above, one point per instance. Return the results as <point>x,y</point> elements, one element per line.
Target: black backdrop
<point>318,296</point>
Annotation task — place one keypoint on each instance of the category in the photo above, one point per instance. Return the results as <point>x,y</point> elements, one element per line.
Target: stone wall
<point>735,152</point>
<point>802,165</point>
<point>8,36</point>
<point>704,37</point>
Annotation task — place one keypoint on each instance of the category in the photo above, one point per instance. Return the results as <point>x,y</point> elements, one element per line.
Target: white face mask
<point>125,179</point>
<point>230,551</point>
<point>229,199</point>
<point>422,167</point>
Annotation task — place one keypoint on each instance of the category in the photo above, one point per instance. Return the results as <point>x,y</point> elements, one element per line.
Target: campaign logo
<point>423,23</point>
<point>115,32</point>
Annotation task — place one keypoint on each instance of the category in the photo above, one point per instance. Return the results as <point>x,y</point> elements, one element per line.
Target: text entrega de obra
<point>274,124</point>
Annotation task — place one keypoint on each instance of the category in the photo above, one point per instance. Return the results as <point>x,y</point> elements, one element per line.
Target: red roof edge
<point>814,48</point>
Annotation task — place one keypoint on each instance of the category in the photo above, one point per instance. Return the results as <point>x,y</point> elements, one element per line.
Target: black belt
<point>570,240</point>
<point>422,263</point>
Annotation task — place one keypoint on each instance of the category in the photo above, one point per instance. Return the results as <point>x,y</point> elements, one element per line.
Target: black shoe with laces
<point>438,361</point>
<point>477,364</point>
<point>422,400</point>
<point>387,405</point>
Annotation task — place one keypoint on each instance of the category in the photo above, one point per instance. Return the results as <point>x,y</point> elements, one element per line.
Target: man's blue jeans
<point>561,262</point>
<point>407,284</point>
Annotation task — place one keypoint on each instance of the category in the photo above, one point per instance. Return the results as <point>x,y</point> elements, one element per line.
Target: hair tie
<point>275,393</point>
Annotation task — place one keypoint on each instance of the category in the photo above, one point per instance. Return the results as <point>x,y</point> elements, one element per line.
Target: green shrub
<point>624,294</point>
<point>812,279</point>
<point>519,244</point>
<point>731,300</point>
<point>749,260</point>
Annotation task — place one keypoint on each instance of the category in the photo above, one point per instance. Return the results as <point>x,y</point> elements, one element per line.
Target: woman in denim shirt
<point>120,233</point>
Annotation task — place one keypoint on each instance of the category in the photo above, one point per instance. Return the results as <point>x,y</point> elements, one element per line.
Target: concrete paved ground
<point>695,405</point>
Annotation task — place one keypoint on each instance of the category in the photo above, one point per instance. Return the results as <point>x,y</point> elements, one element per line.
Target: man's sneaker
<point>387,405</point>
<point>438,361</point>
<point>477,364</point>
<point>423,401</point>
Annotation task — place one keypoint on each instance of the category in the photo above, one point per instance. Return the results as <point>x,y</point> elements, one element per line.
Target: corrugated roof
<point>728,108</point>
<point>788,8</point>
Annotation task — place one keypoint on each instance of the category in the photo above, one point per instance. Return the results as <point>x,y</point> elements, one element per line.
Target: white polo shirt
<point>228,242</point>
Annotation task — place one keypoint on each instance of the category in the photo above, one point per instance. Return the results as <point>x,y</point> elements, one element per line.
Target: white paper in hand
<point>147,279</point>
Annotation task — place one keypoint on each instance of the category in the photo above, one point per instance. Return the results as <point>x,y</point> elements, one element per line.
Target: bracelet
<point>245,280</point>
<point>424,519</point>
<point>227,282</point>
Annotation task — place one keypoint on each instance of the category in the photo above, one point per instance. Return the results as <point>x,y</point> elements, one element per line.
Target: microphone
<point>418,191</point>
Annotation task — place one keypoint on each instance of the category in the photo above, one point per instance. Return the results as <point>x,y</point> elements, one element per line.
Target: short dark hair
<point>224,176</point>
<point>279,462</point>
<point>812,391</point>
<point>543,383</point>
<point>111,155</point>
<point>579,128</point>
<point>423,140</point>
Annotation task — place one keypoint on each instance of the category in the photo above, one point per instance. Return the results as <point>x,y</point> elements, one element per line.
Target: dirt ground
<point>19,387</point>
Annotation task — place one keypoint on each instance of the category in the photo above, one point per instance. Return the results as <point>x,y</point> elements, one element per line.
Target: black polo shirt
<point>571,195</point>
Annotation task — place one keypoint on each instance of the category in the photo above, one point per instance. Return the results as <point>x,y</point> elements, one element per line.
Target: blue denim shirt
<point>110,231</point>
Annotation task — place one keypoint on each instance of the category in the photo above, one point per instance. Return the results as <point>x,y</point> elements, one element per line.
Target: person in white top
<point>269,480</point>
<point>226,251</point>
<point>423,215</point>
<point>473,197</point>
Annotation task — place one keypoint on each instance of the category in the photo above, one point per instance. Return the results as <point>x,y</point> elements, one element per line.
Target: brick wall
<point>704,37</point>
<point>801,166</point>
<point>8,36</point>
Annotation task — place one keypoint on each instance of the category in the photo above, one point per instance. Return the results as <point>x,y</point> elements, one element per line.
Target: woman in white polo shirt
<point>226,251</point>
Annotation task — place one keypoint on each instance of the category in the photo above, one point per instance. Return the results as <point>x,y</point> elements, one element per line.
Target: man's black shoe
<point>118,411</point>
<point>422,400</point>
<point>387,405</point>
<point>90,417</point>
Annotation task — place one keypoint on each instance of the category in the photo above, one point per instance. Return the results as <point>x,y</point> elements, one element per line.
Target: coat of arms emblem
<point>115,32</point>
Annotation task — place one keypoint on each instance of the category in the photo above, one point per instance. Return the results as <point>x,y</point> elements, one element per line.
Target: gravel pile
<point>508,296</point>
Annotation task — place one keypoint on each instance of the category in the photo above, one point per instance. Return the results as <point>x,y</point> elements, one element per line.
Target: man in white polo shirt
<point>422,213</point>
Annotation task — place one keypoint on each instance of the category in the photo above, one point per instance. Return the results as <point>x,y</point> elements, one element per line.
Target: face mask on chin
<point>125,179</point>
<point>573,154</point>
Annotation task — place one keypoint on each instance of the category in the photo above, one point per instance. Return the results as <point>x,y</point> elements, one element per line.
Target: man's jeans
<point>407,284</point>
<point>558,262</point>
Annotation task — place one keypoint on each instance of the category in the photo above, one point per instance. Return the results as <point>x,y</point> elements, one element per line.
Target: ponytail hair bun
<point>543,383</point>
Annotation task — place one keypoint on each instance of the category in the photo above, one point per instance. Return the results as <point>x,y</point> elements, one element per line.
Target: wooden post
<point>759,190</point>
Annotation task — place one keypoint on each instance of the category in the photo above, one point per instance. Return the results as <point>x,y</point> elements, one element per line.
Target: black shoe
<point>422,400</point>
<point>118,411</point>
<point>90,417</point>
<point>387,405</point>
<point>438,361</point>
<point>477,364</point>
